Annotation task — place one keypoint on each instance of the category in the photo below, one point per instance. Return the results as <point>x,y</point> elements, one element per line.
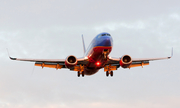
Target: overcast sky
<point>52,29</point>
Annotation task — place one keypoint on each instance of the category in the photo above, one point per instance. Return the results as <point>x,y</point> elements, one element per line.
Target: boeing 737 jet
<point>95,58</point>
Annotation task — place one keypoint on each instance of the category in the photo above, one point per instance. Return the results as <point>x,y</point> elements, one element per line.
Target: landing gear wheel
<point>107,73</point>
<point>82,74</point>
<point>78,74</point>
<point>111,73</point>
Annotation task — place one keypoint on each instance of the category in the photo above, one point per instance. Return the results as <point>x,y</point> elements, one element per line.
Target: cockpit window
<point>105,35</point>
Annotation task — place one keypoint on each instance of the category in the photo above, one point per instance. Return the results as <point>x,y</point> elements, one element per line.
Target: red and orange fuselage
<point>98,52</point>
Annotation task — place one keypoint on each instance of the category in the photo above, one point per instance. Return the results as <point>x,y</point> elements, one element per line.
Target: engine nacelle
<point>70,61</point>
<point>125,61</point>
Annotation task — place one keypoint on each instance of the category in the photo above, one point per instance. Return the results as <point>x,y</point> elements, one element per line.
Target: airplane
<point>95,58</point>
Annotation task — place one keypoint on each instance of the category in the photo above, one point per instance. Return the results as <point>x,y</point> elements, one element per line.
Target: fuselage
<point>98,52</point>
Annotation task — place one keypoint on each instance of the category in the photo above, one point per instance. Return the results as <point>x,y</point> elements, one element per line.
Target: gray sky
<point>52,29</point>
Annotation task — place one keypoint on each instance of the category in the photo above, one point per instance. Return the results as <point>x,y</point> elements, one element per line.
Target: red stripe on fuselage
<point>96,55</point>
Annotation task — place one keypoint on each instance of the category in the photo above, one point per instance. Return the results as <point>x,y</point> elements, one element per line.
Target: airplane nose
<point>107,41</point>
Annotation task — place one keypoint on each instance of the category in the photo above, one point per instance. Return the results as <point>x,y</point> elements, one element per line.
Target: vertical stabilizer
<point>83,44</point>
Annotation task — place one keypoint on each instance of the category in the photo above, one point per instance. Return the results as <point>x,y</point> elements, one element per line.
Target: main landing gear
<point>109,72</point>
<point>80,73</point>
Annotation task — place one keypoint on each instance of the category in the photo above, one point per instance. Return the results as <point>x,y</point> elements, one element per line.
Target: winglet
<point>83,44</point>
<point>9,55</point>
<point>171,54</point>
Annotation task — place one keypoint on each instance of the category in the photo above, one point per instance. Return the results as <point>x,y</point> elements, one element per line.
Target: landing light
<point>98,63</point>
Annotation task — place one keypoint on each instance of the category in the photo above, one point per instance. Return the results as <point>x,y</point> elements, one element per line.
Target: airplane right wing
<point>127,62</point>
<point>52,63</point>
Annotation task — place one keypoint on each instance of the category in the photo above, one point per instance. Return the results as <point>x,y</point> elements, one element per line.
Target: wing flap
<point>137,64</point>
<point>49,65</point>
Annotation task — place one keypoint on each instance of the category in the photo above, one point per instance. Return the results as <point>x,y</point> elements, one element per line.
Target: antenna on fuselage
<point>83,44</point>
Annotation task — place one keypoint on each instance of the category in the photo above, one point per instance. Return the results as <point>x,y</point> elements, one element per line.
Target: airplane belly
<point>96,62</point>
<point>90,71</point>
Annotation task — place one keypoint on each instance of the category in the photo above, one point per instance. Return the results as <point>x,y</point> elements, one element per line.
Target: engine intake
<point>70,61</point>
<point>125,61</point>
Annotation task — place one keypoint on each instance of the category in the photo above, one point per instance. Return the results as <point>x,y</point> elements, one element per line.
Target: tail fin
<point>83,44</point>
<point>172,52</point>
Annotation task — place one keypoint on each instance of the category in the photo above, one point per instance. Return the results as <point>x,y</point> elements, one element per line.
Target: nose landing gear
<point>105,53</point>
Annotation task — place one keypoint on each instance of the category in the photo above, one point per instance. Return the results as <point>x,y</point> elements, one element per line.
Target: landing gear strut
<point>105,56</point>
<point>105,53</point>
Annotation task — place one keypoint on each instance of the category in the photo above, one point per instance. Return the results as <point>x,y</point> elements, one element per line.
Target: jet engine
<point>70,61</point>
<point>125,61</point>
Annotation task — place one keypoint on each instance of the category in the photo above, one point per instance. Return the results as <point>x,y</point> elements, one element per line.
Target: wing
<point>52,63</point>
<point>135,61</point>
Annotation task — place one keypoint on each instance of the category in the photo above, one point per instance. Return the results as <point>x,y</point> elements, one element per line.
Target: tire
<point>78,74</point>
<point>83,74</point>
<point>111,73</point>
<point>107,73</point>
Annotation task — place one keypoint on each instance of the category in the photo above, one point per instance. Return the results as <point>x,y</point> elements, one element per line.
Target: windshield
<point>106,34</point>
